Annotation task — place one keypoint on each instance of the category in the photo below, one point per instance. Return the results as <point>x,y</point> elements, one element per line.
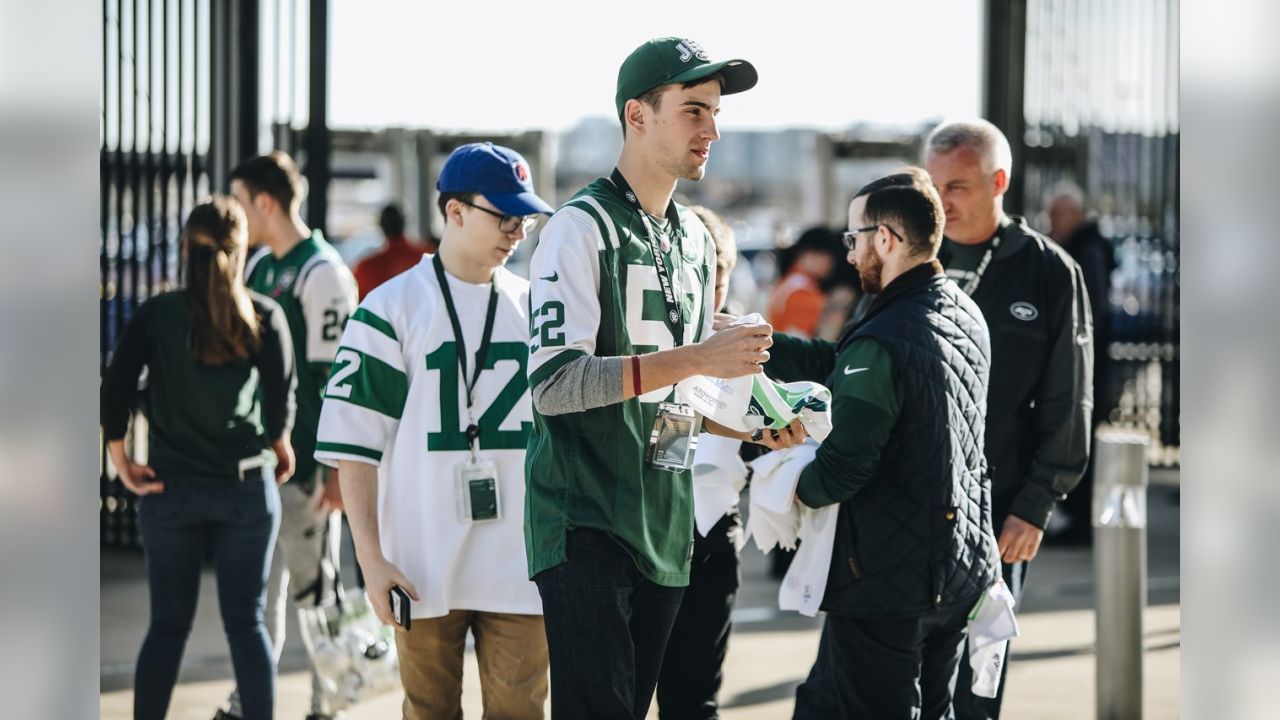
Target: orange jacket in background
<point>394,258</point>
<point>795,305</point>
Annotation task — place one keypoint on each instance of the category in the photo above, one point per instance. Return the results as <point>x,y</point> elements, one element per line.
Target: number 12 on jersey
<point>492,437</point>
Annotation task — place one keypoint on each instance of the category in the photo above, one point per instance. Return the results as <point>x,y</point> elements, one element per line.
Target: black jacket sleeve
<point>120,383</point>
<point>1064,406</point>
<point>277,380</point>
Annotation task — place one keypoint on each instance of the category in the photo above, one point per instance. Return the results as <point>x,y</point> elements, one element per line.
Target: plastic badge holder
<point>674,438</point>
<point>478,498</point>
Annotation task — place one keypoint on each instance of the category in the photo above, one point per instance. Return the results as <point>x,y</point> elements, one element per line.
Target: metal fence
<point>181,103</point>
<point>1100,108</point>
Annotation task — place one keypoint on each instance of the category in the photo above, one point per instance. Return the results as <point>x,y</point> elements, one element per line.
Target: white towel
<point>752,402</point>
<point>774,517</point>
<point>806,581</point>
<point>718,478</point>
<point>992,625</point>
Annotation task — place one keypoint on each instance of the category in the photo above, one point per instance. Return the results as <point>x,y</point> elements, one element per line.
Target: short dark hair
<point>465,198</point>
<point>653,96</point>
<point>391,220</point>
<point>819,239</point>
<point>274,174</point>
<point>907,202</point>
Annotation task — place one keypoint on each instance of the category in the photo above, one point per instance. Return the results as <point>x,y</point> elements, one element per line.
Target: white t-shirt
<point>384,406</point>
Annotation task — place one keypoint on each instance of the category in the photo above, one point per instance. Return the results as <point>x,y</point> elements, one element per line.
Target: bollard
<point>1120,570</point>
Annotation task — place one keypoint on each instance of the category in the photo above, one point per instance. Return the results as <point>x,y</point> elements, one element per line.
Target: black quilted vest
<point>919,535</point>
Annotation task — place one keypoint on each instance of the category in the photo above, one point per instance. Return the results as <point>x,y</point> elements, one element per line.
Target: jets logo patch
<point>1024,311</point>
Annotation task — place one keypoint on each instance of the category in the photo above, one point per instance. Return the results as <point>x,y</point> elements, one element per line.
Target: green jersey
<point>595,290</point>
<point>317,292</point>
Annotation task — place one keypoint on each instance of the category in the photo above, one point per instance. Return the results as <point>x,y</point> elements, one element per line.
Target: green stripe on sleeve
<point>347,449</point>
<point>363,315</point>
<point>366,381</point>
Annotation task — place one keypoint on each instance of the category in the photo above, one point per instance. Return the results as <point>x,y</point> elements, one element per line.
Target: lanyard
<point>974,281</point>
<point>473,430</point>
<point>674,320</point>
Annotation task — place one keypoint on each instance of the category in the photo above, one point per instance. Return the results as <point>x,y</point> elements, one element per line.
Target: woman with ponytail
<point>220,385</point>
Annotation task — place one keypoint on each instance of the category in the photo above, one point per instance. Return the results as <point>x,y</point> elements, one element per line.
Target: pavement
<point>1051,673</point>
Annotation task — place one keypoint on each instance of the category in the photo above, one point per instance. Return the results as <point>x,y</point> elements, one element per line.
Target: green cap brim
<point>739,75</point>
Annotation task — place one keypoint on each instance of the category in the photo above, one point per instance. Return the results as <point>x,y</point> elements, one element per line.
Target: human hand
<point>1019,540</point>
<point>379,577</point>
<point>284,460</point>
<point>788,437</point>
<point>139,478</point>
<point>735,351</point>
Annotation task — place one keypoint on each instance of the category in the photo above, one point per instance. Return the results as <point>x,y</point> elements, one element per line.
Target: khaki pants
<point>510,649</point>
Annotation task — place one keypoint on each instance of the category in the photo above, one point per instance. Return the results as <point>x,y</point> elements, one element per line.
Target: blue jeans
<point>238,520</point>
<point>607,628</point>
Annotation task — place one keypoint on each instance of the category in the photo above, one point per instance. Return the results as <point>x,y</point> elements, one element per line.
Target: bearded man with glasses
<point>914,546</point>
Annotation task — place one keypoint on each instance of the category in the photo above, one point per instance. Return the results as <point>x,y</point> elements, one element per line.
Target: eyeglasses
<point>851,238</point>
<point>508,223</point>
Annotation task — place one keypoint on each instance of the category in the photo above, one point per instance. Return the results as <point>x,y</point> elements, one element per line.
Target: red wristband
<point>635,375</point>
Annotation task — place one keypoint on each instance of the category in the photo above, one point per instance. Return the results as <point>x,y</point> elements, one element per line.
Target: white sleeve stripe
<point>604,218</point>
<point>364,339</point>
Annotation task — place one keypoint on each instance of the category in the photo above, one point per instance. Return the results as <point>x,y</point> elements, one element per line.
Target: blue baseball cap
<point>500,174</point>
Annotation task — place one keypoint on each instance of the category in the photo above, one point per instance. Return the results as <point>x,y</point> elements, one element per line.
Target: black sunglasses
<point>851,238</point>
<point>507,223</point>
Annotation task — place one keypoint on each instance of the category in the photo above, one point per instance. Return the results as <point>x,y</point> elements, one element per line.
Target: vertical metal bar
<point>290,115</point>
<point>247,83</point>
<point>181,127</point>
<point>166,175</point>
<point>121,176</point>
<point>1120,571</point>
<point>149,158</point>
<point>104,219</point>
<point>1004,60</point>
<point>274,113</point>
<point>104,206</point>
<point>135,164</point>
<point>317,142</point>
<point>195,106</point>
<point>220,70</point>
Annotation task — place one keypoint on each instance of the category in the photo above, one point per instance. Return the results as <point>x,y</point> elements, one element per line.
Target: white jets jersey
<point>396,399</point>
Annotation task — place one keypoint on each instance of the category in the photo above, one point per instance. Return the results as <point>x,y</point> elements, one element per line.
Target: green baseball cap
<point>663,61</point>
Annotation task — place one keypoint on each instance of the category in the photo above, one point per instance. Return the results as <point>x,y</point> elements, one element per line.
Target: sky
<point>489,66</point>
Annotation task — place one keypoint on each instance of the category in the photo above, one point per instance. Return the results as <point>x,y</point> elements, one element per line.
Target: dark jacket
<point>1097,259</point>
<point>918,535</point>
<point>1041,396</point>
<point>204,419</point>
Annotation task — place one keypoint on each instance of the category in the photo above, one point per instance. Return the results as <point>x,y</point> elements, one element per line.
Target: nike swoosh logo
<point>552,277</point>
<point>849,371</point>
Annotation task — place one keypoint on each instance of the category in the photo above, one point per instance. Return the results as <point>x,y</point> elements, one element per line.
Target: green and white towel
<point>752,402</point>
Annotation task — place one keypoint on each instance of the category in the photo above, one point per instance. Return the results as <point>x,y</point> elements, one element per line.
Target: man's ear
<point>264,203</point>
<point>633,115</point>
<point>1001,179</point>
<point>453,211</point>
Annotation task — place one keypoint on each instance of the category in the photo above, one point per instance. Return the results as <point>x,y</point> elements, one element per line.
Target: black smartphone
<point>400,606</point>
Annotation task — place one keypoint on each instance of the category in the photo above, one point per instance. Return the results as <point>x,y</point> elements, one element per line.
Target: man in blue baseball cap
<point>427,416</point>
